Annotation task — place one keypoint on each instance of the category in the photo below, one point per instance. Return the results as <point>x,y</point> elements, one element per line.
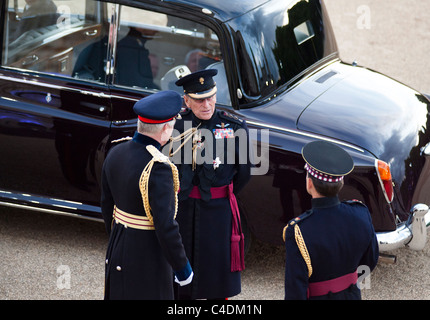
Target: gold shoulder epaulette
<point>158,156</point>
<point>231,117</point>
<point>302,247</point>
<point>291,223</point>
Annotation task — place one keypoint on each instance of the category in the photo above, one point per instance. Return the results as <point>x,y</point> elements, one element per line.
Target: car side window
<point>152,48</point>
<point>65,38</point>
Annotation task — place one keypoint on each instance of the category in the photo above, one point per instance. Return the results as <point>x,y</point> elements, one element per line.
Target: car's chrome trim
<point>99,94</point>
<point>412,233</point>
<point>305,134</point>
<point>51,211</point>
<point>35,82</point>
<point>49,205</point>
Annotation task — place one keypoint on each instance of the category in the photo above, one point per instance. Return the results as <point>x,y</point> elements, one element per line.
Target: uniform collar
<point>145,140</point>
<point>204,123</point>
<point>325,202</point>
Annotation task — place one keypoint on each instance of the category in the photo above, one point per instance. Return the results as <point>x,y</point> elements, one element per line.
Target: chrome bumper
<point>412,233</point>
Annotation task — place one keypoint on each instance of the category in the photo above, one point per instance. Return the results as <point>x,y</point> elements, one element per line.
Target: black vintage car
<point>71,71</point>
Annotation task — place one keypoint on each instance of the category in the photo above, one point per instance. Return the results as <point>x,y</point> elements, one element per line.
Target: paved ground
<point>391,37</point>
<point>52,257</point>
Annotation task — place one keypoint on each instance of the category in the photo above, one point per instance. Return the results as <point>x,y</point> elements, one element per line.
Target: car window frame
<point>178,12</point>
<point>113,22</point>
<point>45,74</point>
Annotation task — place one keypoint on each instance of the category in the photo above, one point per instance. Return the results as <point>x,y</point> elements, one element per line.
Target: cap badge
<point>202,80</point>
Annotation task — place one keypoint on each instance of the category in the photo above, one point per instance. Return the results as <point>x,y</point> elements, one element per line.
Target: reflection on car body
<point>68,86</point>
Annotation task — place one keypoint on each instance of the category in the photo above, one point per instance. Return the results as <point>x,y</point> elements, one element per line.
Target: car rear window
<point>276,42</point>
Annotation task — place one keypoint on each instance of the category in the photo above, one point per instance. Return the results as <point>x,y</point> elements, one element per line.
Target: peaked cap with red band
<point>159,107</point>
<point>326,161</point>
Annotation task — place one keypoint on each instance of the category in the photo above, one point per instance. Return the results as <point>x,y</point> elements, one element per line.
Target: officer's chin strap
<point>187,135</point>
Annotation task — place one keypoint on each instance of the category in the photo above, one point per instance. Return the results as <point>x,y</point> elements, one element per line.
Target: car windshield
<point>274,45</point>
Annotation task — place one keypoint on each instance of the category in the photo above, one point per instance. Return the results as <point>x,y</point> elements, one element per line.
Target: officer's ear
<point>186,99</point>
<point>309,184</point>
<point>167,130</point>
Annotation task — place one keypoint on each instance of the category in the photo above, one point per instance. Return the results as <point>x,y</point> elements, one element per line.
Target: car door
<point>54,103</point>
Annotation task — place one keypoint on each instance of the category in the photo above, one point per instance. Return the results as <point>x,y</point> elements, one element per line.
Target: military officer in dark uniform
<point>326,245</point>
<point>139,203</point>
<point>208,214</point>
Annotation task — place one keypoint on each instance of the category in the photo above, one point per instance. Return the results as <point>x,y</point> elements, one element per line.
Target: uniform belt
<point>216,192</point>
<point>339,284</point>
<point>132,220</point>
<point>237,238</point>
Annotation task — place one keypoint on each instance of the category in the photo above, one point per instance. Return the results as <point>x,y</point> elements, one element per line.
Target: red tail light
<point>384,175</point>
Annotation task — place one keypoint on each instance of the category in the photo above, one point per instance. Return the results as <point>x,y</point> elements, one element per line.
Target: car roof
<point>223,9</point>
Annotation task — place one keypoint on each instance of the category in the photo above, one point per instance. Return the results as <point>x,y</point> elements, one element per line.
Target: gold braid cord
<point>144,180</point>
<point>187,135</point>
<point>302,247</point>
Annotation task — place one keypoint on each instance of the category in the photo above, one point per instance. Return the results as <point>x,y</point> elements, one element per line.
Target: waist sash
<point>237,242</point>
<point>334,285</point>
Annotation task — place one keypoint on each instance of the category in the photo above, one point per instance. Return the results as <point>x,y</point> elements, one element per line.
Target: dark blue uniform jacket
<point>139,262</point>
<point>339,237</point>
<point>206,223</point>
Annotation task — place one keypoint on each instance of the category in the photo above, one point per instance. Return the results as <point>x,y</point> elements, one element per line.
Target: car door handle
<point>91,33</point>
<point>30,60</point>
<point>95,94</point>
